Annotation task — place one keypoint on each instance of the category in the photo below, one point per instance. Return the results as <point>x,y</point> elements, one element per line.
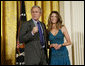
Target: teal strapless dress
<point>60,56</point>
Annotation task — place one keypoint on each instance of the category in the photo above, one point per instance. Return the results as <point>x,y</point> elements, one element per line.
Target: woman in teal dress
<point>58,52</point>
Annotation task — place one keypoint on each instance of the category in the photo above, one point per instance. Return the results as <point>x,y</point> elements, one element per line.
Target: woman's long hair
<point>58,23</point>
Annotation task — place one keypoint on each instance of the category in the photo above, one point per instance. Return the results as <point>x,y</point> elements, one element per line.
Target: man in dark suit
<point>33,34</point>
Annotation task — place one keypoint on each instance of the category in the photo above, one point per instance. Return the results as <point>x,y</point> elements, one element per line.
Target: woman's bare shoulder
<point>63,28</point>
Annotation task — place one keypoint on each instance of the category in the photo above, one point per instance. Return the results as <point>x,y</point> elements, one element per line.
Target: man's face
<point>36,13</point>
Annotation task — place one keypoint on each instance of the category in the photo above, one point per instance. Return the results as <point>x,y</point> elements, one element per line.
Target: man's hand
<point>35,30</point>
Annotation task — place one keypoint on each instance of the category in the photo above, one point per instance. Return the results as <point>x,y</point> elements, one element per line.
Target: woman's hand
<point>56,46</point>
<point>53,45</point>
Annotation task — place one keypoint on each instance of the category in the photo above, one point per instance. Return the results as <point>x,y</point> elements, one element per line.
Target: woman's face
<point>54,18</point>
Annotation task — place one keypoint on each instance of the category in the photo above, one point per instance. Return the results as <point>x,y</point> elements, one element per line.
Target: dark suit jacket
<point>32,43</point>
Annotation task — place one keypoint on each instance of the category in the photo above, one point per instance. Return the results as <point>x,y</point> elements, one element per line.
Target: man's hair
<point>35,6</point>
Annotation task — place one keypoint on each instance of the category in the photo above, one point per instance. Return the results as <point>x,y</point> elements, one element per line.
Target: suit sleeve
<point>47,36</point>
<point>47,46</point>
<point>25,33</point>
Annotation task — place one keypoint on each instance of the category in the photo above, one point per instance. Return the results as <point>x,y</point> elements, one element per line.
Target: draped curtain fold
<point>8,31</point>
<point>47,7</point>
<point>10,16</point>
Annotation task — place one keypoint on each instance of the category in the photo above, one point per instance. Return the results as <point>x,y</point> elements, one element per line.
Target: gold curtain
<point>2,33</point>
<point>8,31</point>
<point>10,15</point>
<point>47,7</point>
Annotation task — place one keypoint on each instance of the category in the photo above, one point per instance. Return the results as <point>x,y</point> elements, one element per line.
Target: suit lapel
<point>32,23</point>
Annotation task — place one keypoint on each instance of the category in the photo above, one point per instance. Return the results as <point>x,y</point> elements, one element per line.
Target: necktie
<point>40,34</point>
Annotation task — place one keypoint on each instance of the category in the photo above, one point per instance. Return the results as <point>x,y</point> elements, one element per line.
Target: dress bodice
<point>59,39</point>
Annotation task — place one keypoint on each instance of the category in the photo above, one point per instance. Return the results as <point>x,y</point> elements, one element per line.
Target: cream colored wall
<point>72,13</point>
